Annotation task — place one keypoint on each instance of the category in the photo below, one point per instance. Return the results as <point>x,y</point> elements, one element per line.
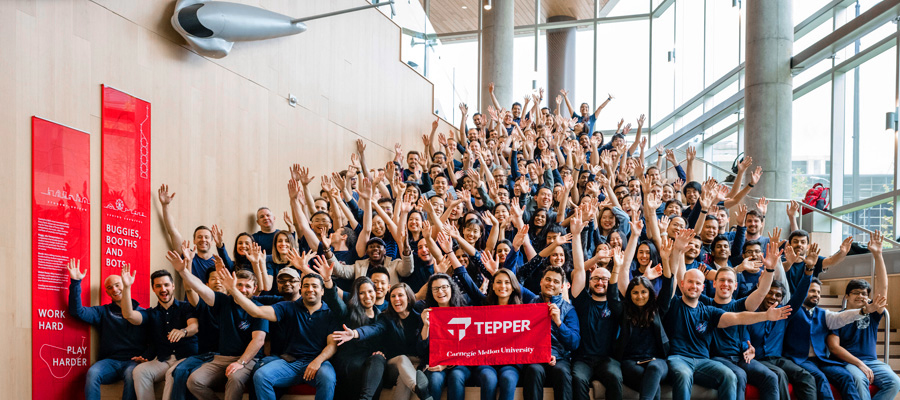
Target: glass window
<point>624,7</point>
<point>723,38</point>
<point>623,71</point>
<point>879,217</point>
<point>689,49</point>
<point>662,100</point>
<point>460,59</point>
<point>811,140</point>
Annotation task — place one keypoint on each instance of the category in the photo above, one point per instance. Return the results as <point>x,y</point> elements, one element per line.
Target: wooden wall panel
<point>223,132</point>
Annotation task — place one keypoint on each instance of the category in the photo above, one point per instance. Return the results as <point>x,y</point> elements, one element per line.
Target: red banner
<point>489,335</point>
<point>60,230</point>
<point>125,195</point>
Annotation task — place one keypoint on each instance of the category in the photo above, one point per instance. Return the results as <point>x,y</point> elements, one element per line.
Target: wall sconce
<point>890,122</point>
<point>487,4</point>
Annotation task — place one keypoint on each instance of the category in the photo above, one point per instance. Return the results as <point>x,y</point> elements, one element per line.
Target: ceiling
<point>449,16</point>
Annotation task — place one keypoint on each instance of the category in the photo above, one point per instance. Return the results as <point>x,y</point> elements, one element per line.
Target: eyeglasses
<point>440,288</point>
<point>284,281</point>
<point>859,293</point>
<point>595,279</point>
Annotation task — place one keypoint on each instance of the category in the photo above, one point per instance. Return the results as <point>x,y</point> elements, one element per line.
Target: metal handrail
<point>829,215</point>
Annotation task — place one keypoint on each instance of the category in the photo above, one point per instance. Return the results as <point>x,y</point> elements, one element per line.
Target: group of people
<point>647,280</point>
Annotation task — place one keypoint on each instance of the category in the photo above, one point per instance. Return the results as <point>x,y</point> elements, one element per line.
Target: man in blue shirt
<point>172,327</point>
<point>730,345</point>
<point>854,344</point>
<point>690,325</point>
<point>599,311</point>
<point>805,254</point>
<point>564,339</point>
<point>308,323</point>
<point>241,336</point>
<point>122,345</point>
<point>767,338</point>
<point>808,329</point>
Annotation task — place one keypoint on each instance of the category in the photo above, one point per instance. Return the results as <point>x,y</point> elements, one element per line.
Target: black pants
<point>360,377</point>
<point>604,369</point>
<point>534,375</point>
<point>645,378</point>
<point>789,372</point>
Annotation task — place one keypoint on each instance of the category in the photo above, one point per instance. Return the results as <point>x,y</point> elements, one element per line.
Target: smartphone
<point>642,362</point>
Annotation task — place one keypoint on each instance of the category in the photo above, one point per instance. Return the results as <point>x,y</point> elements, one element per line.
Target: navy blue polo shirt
<point>859,338</point>
<point>161,321</point>
<point>728,342</point>
<point>236,327</point>
<point>797,272</point>
<point>690,330</point>
<point>601,320</point>
<point>308,332</point>
<point>202,268</point>
<point>208,335</point>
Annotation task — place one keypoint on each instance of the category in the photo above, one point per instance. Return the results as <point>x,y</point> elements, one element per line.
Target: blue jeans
<point>183,371</point>
<point>492,377</point>
<point>823,387</point>
<point>754,372</point>
<point>645,378</point>
<point>107,371</point>
<point>279,373</point>
<point>684,371</point>
<point>455,380</point>
<point>887,382</point>
<point>841,379</point>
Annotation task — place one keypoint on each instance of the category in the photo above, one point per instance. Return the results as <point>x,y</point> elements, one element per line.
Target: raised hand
<point>812,255</point>
<point>773,255</point>
<point>75,272</point>
<point>344,336</point>
<point>762,205</point>
<point>305,179</point>
<point>218,235</point>
<point>444,242</point>
<point>875,241</point>
<point>846,244</point>
<point>295,172</point>
<point>756,175</point>
<point>654,272</point>
<point>878,304</point>
<point>691,153</point>
<point>520,237</point>
<point>173,257</point>
<point>464,108</point>
<point>776,313</point>
<point>491,262</point>
<point>127,276</point>
<point>164,197</point>
<point>323,267</point>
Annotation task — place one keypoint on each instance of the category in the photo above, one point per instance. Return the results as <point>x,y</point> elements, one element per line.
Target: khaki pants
<point>213,373</point>
<point>406,381</point>
<point>148,373</point>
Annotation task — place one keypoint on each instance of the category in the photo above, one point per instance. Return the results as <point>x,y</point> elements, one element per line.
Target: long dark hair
<point>357,313</point>
<point>476,221</point>
<point>514,298</point>
<point>654,255</point>
<point>241,261</point>
<point>641,316</point>
<point>456,297</point>
<point>392,314</point>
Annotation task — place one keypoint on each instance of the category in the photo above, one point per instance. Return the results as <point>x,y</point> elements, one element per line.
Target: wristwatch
<point>770,270</point>
<point>185,331</point>
<point>242,362</point>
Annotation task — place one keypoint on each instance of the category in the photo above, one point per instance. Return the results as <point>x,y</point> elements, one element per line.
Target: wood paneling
<point>223,132</point>
<point>449,16</point>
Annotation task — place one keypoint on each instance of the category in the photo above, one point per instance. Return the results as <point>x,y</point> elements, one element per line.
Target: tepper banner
<point>489,335</point>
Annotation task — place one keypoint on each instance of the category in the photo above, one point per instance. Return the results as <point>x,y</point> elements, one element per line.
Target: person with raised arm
<point>172,327</point>
<point>203,263</point>
<point>690,325</point>
<point>564,339</point>
<point>729,345</point>
<point>208,335</point>
<point>307,323</point>
<point>767,338</point>
<point>804,255</point>
<point>599,310</point>
<point>804,338</point>
<point>241,336</point>
<point>853,346</point>
<point>395,332</point>
<point>122,345</point>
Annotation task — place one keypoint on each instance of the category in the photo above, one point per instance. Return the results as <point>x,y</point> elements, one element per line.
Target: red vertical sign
<point>125,195</point>
<point>60,230</point>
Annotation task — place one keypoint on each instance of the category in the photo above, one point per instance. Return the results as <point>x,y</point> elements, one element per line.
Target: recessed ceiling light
<point>464,7</point>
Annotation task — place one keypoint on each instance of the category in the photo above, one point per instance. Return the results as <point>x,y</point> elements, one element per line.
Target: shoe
<point>421,389</point>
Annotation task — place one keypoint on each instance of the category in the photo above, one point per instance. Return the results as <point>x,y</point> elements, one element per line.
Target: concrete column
<point>497,53</point>
<point>768,99</point>
<point>560,59</point>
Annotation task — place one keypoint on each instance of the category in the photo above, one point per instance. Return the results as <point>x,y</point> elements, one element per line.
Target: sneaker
<point>421,389</point>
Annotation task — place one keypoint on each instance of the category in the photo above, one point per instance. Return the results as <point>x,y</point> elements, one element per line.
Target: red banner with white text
<point>60,230</point>
<point>125,193</point>
<point>489,335</point>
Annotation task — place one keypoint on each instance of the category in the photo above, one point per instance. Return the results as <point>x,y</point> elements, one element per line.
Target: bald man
<point>690,325</point>
<point>122,345</point>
